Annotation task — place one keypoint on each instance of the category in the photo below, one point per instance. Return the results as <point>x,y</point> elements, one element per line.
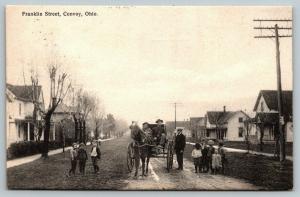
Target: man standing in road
<point>179,148</point>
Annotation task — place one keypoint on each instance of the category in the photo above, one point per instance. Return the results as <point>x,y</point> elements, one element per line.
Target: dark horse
<point>142,150</point>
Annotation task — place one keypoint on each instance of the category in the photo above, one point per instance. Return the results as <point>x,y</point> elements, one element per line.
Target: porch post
<point>28,131</point>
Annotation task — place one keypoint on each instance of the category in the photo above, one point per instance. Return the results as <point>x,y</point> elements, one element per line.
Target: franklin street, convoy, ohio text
<point>59,14</point>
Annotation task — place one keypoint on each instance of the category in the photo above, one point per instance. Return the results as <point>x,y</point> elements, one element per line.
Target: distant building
<point>198,127</point>
<point>225,125</point>
<point>62,124</point>
<point>20,113</point>
<point>266,108</point>
<point>185,125</point>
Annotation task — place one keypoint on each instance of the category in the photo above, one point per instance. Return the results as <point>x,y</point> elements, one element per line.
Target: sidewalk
<point>23,160</point>
<point>290,158</point>
<point>27,159</point>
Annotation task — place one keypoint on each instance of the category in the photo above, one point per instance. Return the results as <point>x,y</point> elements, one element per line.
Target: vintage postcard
<point>149,98</point>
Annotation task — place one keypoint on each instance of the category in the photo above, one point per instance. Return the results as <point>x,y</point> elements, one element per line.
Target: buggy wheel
<point>169,156</point>
<point>130,157</point>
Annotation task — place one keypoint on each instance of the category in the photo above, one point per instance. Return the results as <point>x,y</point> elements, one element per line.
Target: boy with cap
<point>82,157</point>
<point>95,155</point>
<point>73,154</point>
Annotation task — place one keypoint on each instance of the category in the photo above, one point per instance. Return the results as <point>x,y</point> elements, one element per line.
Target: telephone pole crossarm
<point>271,36</point>
<point>272,20</point>
<point>272,28</point>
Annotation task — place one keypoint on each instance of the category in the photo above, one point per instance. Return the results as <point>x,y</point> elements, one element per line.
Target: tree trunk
<point>80,131</point>
<point>83,132</point>
<point>40,132</point>
<point>76,128</point>
<point>247,141</point>
<point>277,145</point>
<point>261,138</point>
<point>46,135</point>
<point>96,132</point>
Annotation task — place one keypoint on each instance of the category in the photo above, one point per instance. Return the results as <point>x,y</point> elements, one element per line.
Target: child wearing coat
<point>82,157</point>
<point>73,155</point>
<point>216,161</point>
<point>223,158</point>
<point>197,156</point>
<point>95,156</point>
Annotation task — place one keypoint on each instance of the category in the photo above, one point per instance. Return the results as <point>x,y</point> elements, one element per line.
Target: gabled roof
<point>23,92</point>
<point>197,119</point>
<point>63,108</point>
<point>200,121</point>
<point>221,117</point>
<point>270,97</point>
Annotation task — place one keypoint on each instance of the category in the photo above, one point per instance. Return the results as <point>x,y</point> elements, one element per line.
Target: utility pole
<point>276,34</point>
<point>175,108</point>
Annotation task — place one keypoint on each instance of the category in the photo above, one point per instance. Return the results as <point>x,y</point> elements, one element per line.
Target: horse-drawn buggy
<point>150,141</point>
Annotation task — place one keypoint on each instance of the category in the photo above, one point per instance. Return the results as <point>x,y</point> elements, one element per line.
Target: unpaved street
<point>159,178</point>
<point>113,175</point>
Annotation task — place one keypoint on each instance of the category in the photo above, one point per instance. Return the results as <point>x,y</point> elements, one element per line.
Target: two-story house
<point>266,119</point>
<point>20,115</point>
<point>226,125</point>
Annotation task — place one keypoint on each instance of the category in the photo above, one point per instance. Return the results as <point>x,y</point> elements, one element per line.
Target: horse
<point>142,149</point>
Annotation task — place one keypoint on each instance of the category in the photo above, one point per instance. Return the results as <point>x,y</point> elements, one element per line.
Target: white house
<point>226,125</point>
<point>19,113</point>
<point>266,108</point>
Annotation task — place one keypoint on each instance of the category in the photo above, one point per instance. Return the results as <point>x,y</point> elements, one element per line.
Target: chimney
<point>224,108</point>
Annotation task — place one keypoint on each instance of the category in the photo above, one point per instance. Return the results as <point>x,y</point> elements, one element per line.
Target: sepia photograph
<point>149,98</point>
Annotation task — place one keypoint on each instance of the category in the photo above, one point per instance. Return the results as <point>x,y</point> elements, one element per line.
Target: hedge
<point>26,148</point>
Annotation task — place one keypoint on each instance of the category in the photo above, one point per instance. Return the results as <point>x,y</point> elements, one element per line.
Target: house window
<point>241,131</point>
<point>20,109</point>
<point>240,119</point>
<point>207,133</point>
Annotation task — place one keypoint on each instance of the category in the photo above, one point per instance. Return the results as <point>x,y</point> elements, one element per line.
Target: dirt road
<point>113,175</point>
<point>160,179</point>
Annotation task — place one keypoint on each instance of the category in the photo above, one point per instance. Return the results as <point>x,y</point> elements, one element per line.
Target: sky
<point>140,60</point>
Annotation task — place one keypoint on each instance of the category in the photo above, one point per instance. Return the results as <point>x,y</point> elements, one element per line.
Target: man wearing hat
<point>158,131</point>
<point>179,148</point>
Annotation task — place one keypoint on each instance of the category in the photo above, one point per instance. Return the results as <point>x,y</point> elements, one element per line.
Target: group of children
<point>79,155</point>
<point>209,159</point>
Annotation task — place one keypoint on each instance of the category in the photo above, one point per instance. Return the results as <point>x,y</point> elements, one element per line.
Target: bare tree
<point>248,126</point>
<point>97,117</point>
<point>85,103</point>
<point>261,126</point>
<point>216,119</point>
<point>110,125</point>
<point>35,92</point>
<point>121,127</point>
<point>58,90</point>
